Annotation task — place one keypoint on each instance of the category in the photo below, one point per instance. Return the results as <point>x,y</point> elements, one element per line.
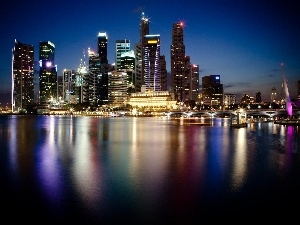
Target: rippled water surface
<point>148,170</point>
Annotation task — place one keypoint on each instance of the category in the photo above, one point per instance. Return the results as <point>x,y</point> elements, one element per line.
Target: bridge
<point>267,113</point>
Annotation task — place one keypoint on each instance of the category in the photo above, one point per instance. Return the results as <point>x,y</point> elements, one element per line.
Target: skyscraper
<point>177,61</point>
<point>48,73</point>
<point>163,73</point>
<point>117,88</point>
<point>139,53</point>
<point>81,80</point>
<point>102,47</point>
<point>152,63</point>
<point>127,65</point>
<point>122,46</point>
<point>68,86</point>
<point>22,76</point>
<point>194,82</point>
<point>104,69</point>
<point>93,79</point>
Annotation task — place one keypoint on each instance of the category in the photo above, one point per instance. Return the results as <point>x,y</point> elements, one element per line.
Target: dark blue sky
<point>243,41</point>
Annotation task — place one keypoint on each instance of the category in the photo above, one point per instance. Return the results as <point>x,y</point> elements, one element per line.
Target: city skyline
<point>243,42</point>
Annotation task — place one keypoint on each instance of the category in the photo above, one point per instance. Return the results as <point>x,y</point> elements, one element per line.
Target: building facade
<point>68,86</point>
<point>229,99</point>
<point>212,90</point>
<point>93,79</point>
<point>128,65</point>
<point>273,95</point>
<point>117,88</point>
<point>48,86</point>
<point>177,61</point>
<point>122,46</point>
<point>104,68</point>
<point>152,74</point>
<point>193,82</point>
<point>163,74</point>
<point>139,53</point>
<point>22,76</point>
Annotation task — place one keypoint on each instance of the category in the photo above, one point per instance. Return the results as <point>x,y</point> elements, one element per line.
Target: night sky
<point>243,41</point>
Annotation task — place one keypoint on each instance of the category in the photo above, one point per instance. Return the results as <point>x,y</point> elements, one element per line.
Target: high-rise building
<point>102,47</point>
<point>22,76</point>
<point>139,49</point>
<point>117,88</point>
<point>163,73</point>
<point>48,73</point>
<point>127,65</point>
<point>193,82</point>
<point>93,95</point>
<point>212,90</point>
<point>81,80</point>
<point>122,46</point>
<point>177,61</point>
<point>152,63</point>
<point>68,86</point>
<point>104,69</point>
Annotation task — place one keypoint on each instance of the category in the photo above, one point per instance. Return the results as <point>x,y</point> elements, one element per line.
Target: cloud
<point>239,85</point>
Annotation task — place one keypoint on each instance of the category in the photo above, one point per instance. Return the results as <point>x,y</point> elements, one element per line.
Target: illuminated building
<point>177,61</point>
<point>22,76</point>
<point>68,86</point>
<point>229,99</point>
<point>122,46</point>
<point>152,77</point>
<point>273,95</point>
<point>92,83</point>
<point>127,65</point>
<point>80,77</point>
<point>102,47</point>
<point>139,53</point>
<point>152,100</point>
<point>48,73</point>
<point>184,74</point>
<point>193,81</point>
<point>212,90</point>
<point>163,74</point>
<point>117,88</point>
<point>103,76</point>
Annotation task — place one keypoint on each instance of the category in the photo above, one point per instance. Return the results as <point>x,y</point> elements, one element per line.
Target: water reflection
<point>107,166</point>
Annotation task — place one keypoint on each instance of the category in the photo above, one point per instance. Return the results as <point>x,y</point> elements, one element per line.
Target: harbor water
<point>146,170</point>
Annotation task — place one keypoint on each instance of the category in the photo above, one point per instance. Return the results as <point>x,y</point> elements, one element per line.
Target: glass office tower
<point>177,61</point>
<point>104,68</point>
<point>152,63</point>
<point>139,53</point>
<point>22,76</point>
<point>48,73</point>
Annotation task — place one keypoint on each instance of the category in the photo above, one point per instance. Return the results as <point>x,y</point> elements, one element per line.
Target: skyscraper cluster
<point>96,81</point>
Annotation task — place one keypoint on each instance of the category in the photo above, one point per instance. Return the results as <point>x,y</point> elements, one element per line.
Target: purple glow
<point>48,64</point>
<point>289,108</point>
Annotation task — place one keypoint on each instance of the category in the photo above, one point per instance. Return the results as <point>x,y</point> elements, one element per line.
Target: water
<point>154,170</point>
